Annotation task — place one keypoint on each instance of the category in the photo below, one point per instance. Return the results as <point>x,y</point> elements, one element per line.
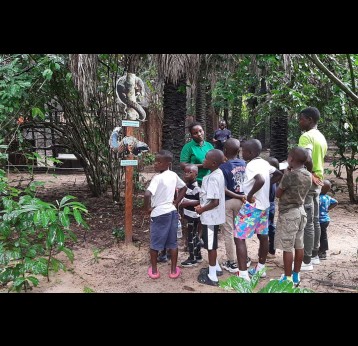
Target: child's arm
<point>211,205</point>
<point>258,184</point>
<point>235,195</point>
<point>181,194</point>
<point>276,177</point>
<point>332,203</point>
<point>279,192</point>
<point>147,201</point>
<point>189,202</point>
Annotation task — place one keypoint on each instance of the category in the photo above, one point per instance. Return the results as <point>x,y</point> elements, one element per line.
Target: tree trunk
<point>236,118</point>
<point>200,102</point>
<point>174,108</point>
<point>209,115</point>
<point>278,135</point>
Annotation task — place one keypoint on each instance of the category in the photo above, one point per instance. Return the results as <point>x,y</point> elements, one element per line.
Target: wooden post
<point>129,196</point>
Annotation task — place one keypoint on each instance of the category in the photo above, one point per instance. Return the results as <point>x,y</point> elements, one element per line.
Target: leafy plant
<point>32,233</point>
<point>241,285</point>
<point>88,290</point>
<point>119,233</point>
<point>96,253</point>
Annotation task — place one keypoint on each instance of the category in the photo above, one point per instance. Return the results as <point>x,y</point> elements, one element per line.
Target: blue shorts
<point>163,231</point>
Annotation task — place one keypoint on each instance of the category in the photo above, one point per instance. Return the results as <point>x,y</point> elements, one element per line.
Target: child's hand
<point>251,199</point>
<point>198,209</point>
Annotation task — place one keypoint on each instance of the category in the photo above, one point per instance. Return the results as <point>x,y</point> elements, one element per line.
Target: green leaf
<point>65,199</point>
<point>65,221</point>
<point>60,237</point>
<point>34,280</point>
<point>37,112</point>
<point>45,218</point>
<point>77,215</point>
<point>69,253</point>
<point>47,74</point>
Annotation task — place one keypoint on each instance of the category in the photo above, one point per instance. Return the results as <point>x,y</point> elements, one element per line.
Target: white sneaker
<point>315,260</point>
<point>306,267</point>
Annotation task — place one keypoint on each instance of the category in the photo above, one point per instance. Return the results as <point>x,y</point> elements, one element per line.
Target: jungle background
<point>53,105</point>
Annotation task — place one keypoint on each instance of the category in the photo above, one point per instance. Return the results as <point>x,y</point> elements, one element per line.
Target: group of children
<point>239,195</point>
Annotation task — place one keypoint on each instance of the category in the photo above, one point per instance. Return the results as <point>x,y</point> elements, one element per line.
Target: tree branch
<point>352,73</point>
<point>314,58</point>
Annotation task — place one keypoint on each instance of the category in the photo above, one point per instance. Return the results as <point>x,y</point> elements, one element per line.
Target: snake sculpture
<point>122,90</point>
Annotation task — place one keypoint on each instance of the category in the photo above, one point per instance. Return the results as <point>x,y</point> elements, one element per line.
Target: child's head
<point>232,147</point>
<point>222,124</point>
<point>273,162</point>
<point>297,157</point>
<point>190,173</point>
<point>213,159</point>
<point>309,118</point>
<point>251,149</point>
<point>163,160</point>
<point>326,187</point>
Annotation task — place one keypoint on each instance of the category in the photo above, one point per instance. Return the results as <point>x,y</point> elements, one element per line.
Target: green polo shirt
<point>315,141</point>
<point>192,152</point>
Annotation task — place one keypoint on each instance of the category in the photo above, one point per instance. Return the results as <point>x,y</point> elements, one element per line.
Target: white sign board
<point>129,162</point>
<point>130,123</point>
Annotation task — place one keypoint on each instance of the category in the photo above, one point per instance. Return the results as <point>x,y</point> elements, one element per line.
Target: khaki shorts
<point>290,228</point>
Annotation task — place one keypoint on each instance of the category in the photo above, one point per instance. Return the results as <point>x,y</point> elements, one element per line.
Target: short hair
<point>273,162</point>
<point>299,154</point>
<point>168,156</point>
<point>195,123</point>
<point>311,112</point>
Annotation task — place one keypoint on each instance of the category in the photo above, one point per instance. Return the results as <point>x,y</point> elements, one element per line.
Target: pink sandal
<point>176,274</point>
<point>151,275</point>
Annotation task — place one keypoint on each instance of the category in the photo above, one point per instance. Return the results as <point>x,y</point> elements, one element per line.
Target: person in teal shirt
<point>194,151</point>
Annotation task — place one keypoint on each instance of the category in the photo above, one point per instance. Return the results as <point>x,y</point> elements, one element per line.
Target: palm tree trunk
<point>174,108</point>
<point>278,135</point>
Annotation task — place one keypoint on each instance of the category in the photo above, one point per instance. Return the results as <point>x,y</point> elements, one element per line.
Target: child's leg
<point>191,236</point>
<point>153,260</point>
<point>287,262</point>
<point>324,238</point>
<point>272,229</point>
<point>174,260</point>
<point>196,239</point>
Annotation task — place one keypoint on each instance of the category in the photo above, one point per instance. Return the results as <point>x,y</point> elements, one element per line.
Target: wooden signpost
<point>129,163</point>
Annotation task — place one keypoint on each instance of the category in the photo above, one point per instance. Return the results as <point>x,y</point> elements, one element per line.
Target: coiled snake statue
<point>122,91</point>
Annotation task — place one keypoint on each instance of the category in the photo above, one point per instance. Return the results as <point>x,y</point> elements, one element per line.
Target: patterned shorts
<point>249,221</point>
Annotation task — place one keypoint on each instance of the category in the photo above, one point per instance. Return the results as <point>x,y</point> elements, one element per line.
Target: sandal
<point>206,271</point>
<point>204,279</point>
<point>176,274</point>
<point>151,275</point>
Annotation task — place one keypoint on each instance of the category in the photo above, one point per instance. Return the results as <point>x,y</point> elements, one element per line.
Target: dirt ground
<point>103,264</point>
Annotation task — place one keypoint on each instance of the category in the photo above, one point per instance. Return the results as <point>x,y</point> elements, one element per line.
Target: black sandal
<point>204,279</point>
<point>206,271</point>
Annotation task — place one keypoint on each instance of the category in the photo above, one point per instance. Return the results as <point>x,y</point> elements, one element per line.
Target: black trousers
<point>323,241</point>
<point>194,245</point>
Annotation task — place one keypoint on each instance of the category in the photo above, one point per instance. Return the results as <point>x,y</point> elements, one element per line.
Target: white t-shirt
<point>213,187</point>
<point>254,167</point>
<point>162,187</point>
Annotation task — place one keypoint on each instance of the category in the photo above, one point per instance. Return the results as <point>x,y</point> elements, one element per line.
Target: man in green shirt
<point>316,145</point>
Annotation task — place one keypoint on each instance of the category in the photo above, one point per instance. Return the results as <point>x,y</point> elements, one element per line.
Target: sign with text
<point>129,162</point>
<point>130,123</point>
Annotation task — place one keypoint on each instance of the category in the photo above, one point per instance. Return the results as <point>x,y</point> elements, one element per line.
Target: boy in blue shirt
<point>326,203</point>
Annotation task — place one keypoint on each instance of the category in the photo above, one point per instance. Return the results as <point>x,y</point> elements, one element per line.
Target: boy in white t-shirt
<point>158,201</point>
<point>212,214</point>
<point>253,215</point>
